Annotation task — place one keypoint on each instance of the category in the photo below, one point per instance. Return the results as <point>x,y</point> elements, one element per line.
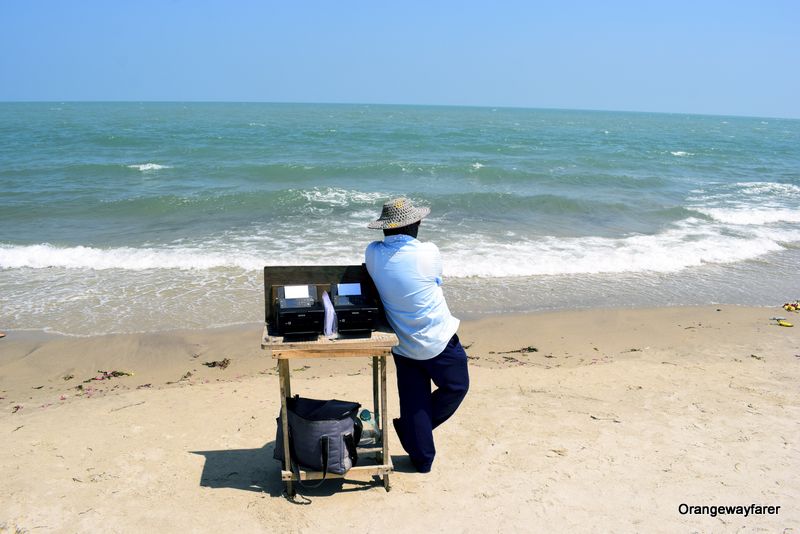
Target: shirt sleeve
<point>369,252</point>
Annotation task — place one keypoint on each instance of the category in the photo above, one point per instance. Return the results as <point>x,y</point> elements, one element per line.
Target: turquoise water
<point>127,217</point>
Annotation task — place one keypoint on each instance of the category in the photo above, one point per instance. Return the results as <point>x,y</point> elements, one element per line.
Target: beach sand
<point>617,418</point>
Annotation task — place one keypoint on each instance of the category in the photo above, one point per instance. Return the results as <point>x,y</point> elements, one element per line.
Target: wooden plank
<point>369,450</point>
<point>369,470</point>
<point>286,392</point>
<point>287,378</point>
<point>338,353</point>
<point>378,341</point>
<point>383,337</point>
<point>375,390</point>
<point>339,348</point>
<point>384,416</point>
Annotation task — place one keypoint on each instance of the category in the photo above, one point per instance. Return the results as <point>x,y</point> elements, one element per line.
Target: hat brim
<point>386,224</point>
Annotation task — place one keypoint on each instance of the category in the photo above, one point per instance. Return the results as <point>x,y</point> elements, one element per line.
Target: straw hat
<point>397,213</point>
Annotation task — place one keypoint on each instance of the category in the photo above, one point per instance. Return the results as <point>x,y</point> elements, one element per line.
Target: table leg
<point>375,395</point>
<point>286,393</point>
<point>384,420</point>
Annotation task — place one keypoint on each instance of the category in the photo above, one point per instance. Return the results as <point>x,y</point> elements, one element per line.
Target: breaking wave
<point>144,167</point>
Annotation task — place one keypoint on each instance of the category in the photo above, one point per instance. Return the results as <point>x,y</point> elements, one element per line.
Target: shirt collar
<point>398,238</point>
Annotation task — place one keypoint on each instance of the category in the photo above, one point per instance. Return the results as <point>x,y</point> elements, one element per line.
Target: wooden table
<point>377,347</point>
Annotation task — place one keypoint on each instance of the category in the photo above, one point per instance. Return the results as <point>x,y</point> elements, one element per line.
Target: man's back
<point>408,275</point>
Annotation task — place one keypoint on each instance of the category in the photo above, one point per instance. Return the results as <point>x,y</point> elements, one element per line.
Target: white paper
<point>295,292</point>
<point>348,290</point>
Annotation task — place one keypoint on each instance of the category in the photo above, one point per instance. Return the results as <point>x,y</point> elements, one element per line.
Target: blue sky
<point>737,58</point>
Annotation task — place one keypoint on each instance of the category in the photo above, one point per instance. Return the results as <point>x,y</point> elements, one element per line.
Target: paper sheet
<point>295,292</point>
<point>330,316</point>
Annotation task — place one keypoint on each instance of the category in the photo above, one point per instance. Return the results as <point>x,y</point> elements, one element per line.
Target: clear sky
<point>719,57</point>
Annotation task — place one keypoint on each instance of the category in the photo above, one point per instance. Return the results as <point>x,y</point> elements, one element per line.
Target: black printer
<point>298,311</point>
<point>356,309</point>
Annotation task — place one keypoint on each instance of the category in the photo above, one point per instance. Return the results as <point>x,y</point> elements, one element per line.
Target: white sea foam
<point>768,188</point>
<point>748,203</point>
<point>747,216</point>
<point>136,259</point>
<point>145,167</point>
<point>690,243</point>
<point>681,153</point>
<point>477,165</point>
<point>341,197</point>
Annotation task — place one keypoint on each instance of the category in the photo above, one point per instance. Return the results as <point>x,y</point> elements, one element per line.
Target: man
<point>408,275</point>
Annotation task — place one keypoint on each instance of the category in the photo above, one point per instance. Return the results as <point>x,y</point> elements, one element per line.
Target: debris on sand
<point>108,375</point>
<point>523,350</point>
<point>613,419</point>
<point>186,376</point>
<point>222,364</point>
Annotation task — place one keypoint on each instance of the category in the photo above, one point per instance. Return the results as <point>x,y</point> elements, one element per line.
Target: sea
<point>139,217</point>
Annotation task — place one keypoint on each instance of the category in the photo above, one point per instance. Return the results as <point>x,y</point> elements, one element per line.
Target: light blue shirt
<point>408,275</point>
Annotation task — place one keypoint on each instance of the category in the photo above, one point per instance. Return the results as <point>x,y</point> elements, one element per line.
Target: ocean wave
<point>748,203</point>
<point>687,243</point>
<point>486,204</point>
<point>335,196</point>
<point>726,191</point>
<point>752,216</point>
<point>281,204</point>
<point>497,204</point>
<point>145,167</point>
<point>768,188</point>
<point>129,258</point>
<point>681,153</point>
<point>690,243</point>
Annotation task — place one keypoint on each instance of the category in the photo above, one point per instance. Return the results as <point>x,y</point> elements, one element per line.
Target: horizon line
<point>481,106</point>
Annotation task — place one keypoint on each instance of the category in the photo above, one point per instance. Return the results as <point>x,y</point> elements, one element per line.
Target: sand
<point>617,418</point>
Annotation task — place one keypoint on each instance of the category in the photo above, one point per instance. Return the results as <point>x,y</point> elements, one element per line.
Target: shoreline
<point>34,358</point>
<point>214,301</point>
<point>648,408</point>
<point>464,316</point>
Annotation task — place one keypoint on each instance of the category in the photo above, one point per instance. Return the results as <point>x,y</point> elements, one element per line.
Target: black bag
<point>322,434</point>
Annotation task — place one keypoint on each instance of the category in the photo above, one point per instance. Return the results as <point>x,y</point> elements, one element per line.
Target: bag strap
<point>325,444</point>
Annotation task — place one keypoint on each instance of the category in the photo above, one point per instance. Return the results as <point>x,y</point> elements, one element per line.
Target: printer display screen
<point>348,295</point>
<point>296,297</point>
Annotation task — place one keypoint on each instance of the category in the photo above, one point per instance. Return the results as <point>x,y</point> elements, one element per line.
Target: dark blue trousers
<point>420,410</point>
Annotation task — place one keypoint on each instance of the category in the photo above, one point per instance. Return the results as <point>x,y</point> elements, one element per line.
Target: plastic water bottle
<point>370,434</point>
